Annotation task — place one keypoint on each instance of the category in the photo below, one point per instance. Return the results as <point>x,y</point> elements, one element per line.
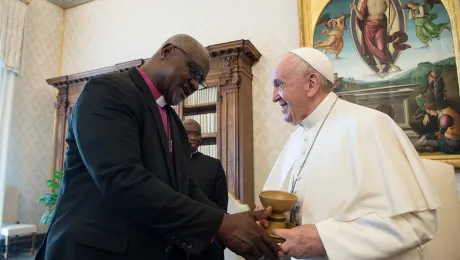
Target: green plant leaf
<point>46,217</point>
<point>49,199</point>
<point>58,175</point>
<point>41,199</point>
<point>52,184</point>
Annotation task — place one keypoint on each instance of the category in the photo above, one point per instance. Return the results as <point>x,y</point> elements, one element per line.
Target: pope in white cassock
<point>363,192</point>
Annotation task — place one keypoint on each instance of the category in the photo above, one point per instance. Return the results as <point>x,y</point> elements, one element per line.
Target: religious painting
<point>396,56</point>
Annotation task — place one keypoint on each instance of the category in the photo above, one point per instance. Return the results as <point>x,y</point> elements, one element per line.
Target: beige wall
<point>105,32</point>
<point>29,157</point>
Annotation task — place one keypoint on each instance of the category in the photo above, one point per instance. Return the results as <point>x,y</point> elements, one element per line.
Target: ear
<point>314,83</point>
<point>166,51</point>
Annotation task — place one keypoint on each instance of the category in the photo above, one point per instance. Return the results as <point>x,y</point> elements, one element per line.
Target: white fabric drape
<point>7,79</point>
<point>12,22</point>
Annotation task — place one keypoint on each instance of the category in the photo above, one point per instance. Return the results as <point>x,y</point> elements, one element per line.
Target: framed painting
<point>398,57</point>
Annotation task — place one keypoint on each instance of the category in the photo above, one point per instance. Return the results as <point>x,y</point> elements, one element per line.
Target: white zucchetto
<point>317,60</point>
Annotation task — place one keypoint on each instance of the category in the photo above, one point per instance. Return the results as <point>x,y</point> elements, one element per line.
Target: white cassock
<point>363,184</point>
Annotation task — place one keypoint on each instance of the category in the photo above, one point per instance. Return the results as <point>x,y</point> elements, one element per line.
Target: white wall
<point>29,157</point>
<point>105,32</point>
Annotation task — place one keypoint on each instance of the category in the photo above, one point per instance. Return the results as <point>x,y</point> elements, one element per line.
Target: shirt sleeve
<point>373,237</point>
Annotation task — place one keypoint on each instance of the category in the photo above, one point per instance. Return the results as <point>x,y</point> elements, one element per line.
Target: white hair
<point>303,67</point>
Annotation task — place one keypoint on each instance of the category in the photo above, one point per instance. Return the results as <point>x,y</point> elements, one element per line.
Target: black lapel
<point>181,149</point>
<point>153,108</point>
<point>177,151</point>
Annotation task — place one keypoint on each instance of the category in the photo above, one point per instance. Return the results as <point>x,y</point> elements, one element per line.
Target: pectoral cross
<point>293,218</point>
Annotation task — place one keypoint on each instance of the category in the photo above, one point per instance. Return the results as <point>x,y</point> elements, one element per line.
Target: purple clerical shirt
<point>159,99</point>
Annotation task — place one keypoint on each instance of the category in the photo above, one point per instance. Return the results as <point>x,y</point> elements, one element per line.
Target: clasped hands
<point>240,233</point>
<point>244,233</point>
<point>301,242</point>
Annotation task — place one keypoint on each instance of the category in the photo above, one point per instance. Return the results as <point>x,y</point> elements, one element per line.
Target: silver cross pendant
<point>293,218</point>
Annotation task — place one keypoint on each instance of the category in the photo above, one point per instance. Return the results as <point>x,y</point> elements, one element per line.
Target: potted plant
<point>49,199</point>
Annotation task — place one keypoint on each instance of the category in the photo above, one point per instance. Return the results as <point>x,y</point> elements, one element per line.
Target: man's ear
<point>314,83</point>
<point>166,51</point>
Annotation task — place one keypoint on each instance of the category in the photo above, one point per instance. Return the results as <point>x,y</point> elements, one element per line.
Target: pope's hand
<point>240,233</point>
<point>301,242</point>
<point>263,223</point>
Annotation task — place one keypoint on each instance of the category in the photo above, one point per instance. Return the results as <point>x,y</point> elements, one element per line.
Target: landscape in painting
<point>398,57</point>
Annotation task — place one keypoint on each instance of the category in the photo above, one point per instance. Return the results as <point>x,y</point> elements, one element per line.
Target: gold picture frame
<point>310,11</point>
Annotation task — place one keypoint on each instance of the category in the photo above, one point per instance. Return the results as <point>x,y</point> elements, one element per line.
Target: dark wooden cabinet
<point>231,74</point>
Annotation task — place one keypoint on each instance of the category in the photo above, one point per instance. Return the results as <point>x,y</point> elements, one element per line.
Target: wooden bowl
<point>280,201</point>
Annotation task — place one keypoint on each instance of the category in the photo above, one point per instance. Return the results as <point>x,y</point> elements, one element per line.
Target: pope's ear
<point>314,83</point>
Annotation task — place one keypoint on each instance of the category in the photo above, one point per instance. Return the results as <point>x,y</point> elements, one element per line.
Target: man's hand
<point>301,242</point>
<point>240,233</point>
<point>263,223</point>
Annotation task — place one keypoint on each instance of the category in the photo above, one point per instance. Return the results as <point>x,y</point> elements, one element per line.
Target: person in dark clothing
<point>208,174</point>
<point>127,192</point>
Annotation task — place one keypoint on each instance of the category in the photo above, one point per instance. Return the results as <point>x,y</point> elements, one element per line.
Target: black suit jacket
<point>208,174</point>
<point>122,197</point>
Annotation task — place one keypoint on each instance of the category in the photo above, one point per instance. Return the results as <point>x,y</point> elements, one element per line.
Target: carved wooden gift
<point>230,78</point>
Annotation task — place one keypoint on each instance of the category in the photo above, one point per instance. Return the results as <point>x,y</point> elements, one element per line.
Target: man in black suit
<point>126,192</point>
<point>207,173</point>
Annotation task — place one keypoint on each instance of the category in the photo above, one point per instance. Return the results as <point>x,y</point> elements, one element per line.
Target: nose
<point>276,97</point>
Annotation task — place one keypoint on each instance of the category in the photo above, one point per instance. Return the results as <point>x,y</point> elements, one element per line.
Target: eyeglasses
<point>196,72</point>
<point>195,134</point>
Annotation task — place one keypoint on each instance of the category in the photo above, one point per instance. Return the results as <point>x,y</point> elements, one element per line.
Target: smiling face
<point>294,88</point>
<point>181,75</point>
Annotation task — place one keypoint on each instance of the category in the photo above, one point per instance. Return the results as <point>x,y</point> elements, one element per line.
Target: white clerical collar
<point>320,112</point>
<point>191,155</point>
<point>161,101</point>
